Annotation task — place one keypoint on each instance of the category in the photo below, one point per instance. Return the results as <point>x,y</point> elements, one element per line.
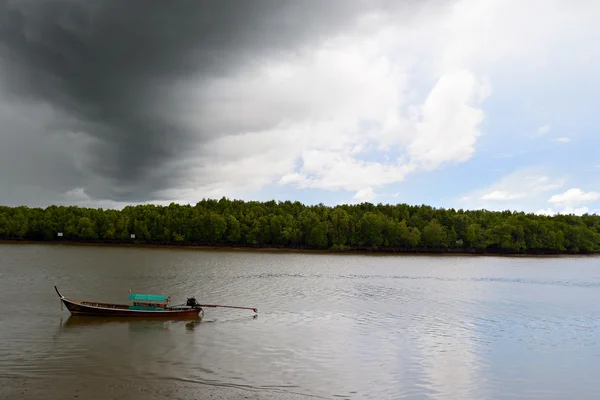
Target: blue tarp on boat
<point>147,297</point>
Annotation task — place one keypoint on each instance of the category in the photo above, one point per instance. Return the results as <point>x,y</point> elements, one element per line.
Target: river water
<point>328,326</point>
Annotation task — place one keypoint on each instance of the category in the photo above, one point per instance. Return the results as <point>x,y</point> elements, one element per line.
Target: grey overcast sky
<point>122,102</point>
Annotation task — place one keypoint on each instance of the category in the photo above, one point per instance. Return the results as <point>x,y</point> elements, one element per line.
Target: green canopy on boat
<point>147,297</point>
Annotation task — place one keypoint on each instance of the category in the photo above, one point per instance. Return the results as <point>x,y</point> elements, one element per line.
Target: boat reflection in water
<point>77,322</point>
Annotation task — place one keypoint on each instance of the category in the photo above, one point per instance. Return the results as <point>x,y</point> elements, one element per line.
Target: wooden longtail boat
<point>140,305</point>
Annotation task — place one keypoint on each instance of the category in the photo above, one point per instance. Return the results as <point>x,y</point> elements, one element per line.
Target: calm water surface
<point>360,327</point>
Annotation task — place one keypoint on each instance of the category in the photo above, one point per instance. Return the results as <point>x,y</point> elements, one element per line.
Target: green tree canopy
<point>365,226</point>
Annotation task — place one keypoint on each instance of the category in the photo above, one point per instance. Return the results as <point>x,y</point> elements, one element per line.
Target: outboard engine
<point>191,302</point>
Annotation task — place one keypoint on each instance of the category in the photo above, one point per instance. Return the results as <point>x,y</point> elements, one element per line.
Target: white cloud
<point>497,33</point>
<point>565,211</point>
<point>365,195</point>
<point>575,210</point>
<point>570,202</point>
<point>563,139</point>
<point>500,195</point>
<point>450,120</point>
<point>522,189</point>
<point>574,196</point>
<point>338,170</point>
<point>544,129</point>
<point>338,119</point>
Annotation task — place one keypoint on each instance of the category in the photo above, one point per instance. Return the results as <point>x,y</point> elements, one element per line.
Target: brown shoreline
<point>259,249</point>
<point>86,388</point>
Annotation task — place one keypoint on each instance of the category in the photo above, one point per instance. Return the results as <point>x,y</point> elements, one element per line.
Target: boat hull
<point>77,307</point>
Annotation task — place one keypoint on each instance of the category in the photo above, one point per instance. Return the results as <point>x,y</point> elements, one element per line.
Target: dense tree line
<point>288,224</point>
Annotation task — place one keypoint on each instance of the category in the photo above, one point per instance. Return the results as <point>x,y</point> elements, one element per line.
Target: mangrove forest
<point>271,224</point>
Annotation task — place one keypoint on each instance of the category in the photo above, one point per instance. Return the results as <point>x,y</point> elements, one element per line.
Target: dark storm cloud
<point>110,69</point>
